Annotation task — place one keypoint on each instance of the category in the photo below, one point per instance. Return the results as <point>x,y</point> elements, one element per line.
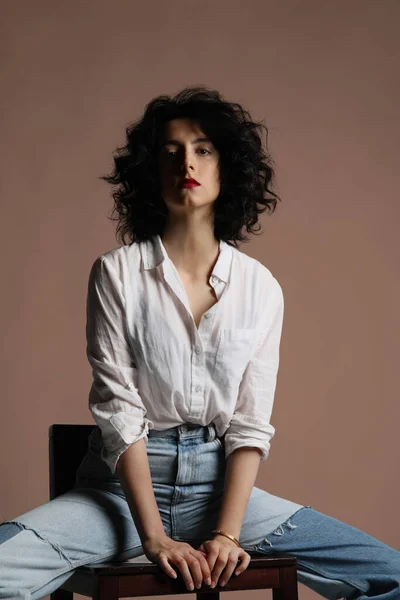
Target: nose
<point>187,162</point>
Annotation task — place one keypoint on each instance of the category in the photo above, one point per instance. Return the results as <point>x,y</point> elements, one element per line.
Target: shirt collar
<point>154,253</point>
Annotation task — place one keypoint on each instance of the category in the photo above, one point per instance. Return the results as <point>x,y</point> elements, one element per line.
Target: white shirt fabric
<point>152,367</point>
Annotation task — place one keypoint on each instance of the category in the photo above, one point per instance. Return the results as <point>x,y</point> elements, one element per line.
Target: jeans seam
<point>41,536</point>
<point>79,564</point>
<point>319,572</point>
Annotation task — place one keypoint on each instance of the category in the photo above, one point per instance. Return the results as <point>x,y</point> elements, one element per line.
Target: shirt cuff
<point>121,436</point>
<point>245,431</point>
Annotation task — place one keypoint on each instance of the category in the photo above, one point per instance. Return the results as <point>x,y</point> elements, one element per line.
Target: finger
<point>230,567</point>
<point>245,561</point>
<point>164,564</point>
<point>212,556</point>
<point>219,566</point>
<point>205,568</point>
<point>195,569</point>
<point>183,567</point>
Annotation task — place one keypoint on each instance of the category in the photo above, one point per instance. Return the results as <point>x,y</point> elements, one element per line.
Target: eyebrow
<point>177,143</point>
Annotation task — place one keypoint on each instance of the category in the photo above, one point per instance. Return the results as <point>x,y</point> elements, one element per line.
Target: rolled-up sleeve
<point>114,400</point>
<point>250,424</point>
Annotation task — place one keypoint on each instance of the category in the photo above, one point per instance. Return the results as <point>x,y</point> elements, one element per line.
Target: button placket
<point>197,402</point>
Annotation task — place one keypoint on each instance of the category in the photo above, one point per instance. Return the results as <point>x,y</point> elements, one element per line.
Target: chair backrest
<point>68,445</point>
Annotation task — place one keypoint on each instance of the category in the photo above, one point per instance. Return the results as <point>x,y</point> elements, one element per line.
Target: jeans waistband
<point>187,430</point>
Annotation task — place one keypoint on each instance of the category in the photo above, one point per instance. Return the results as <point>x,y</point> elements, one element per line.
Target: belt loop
<point>211,433</point>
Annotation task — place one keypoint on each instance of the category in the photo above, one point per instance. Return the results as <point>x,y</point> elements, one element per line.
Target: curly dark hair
<point>245,167</point>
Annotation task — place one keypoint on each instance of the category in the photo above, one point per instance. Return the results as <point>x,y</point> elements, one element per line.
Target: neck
<point>194,252</point>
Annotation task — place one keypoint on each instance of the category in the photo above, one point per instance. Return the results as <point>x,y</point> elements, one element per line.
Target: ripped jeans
<point>91,523</point>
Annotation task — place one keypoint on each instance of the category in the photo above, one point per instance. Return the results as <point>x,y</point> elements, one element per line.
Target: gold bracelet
<point>228,535</point>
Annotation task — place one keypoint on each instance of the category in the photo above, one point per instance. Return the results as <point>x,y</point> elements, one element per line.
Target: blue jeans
<point>91,523</point>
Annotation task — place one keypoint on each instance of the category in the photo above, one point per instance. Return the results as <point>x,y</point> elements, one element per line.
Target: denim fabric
<point>40,549</point>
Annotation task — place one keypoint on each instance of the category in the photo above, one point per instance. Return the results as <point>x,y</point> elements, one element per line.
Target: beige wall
<point>322,76</point>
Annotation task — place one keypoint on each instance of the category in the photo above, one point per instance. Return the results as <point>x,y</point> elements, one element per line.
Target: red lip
<point>190,182</point>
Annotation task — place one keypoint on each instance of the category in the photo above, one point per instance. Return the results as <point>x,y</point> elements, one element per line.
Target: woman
<point>183,335</point>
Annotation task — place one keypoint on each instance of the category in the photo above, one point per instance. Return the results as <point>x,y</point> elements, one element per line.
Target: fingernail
<point>212,584</point>
<point>190,586</point>
<point>208,581</point>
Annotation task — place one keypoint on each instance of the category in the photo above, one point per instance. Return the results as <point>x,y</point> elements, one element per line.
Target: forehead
<point>183,125</point>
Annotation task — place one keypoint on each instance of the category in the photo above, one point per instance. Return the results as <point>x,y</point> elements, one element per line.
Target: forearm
<point>240,475</point>
<point>134,474</point>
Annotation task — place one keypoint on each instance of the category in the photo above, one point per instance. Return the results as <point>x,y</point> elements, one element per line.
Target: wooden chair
<point>113,580</point>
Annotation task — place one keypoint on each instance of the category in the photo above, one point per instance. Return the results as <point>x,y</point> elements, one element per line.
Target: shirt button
<point>198,388</point>
<point>207,315</point>
<point>197,350</point>
<point>213,279</point>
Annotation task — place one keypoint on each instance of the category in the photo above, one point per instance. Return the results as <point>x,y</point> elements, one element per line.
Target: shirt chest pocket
<point>233,355</point>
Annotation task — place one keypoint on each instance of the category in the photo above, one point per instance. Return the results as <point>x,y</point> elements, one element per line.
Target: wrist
<point>223,539</point>
<point>154,537</point>
<point>226,535</point>
<point>233,530</point>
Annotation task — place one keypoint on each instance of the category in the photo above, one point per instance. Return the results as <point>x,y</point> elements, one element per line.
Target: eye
<point>168,154</point>
<point>173,153</point>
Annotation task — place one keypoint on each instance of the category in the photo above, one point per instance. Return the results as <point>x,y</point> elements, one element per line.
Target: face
<point>183,155</point>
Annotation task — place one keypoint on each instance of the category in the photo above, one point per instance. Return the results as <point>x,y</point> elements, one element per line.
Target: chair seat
<point>140,577</point>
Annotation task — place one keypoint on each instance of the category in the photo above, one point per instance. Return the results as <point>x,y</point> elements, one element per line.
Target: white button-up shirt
<point>152,367</point>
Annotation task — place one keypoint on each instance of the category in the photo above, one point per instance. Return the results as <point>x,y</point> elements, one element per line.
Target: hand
<point>223,555</point>
<point>191,562</point>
